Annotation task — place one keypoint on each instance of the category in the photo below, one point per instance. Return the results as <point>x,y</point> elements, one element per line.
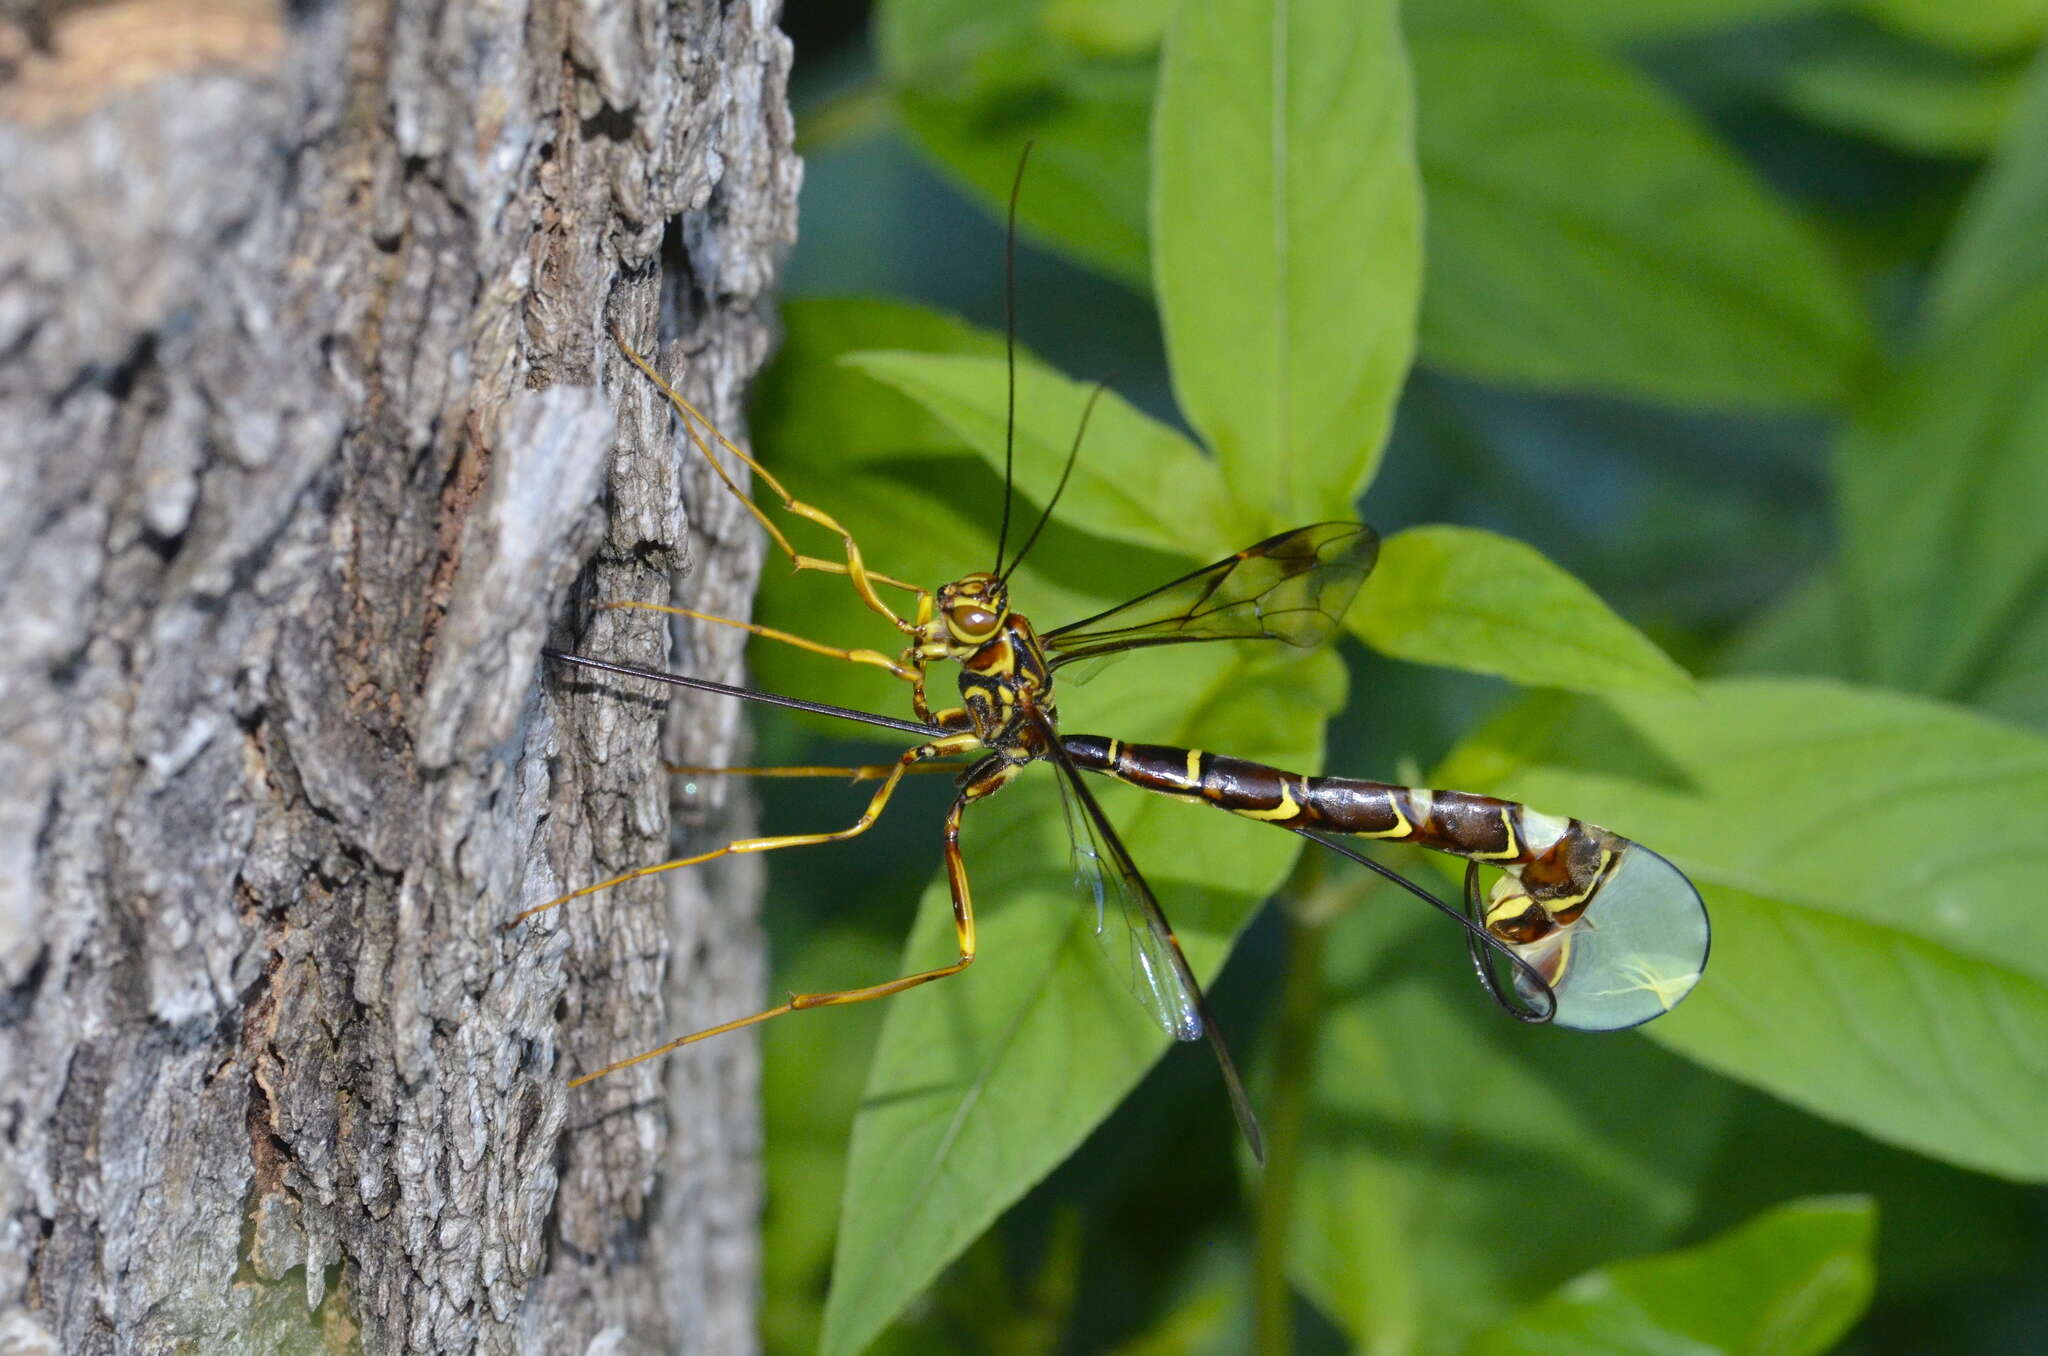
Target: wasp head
<point>974,608</point>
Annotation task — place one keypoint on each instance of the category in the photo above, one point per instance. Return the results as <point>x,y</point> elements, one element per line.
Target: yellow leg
<point>866,772</point>
<point>963,933</point>
<point>938,748</point>
<point>695,424</point>
<point>875,658</point>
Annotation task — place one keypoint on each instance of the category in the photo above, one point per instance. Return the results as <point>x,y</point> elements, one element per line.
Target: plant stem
<point>1301,998</point>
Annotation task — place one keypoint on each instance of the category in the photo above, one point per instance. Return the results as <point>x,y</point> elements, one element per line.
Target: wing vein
<point>1155,940</point>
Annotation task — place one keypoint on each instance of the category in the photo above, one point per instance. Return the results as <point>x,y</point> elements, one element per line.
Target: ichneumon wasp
<point>1598,932</point>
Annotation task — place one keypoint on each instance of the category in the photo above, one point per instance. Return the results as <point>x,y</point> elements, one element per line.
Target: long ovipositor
<point>1617,931</point>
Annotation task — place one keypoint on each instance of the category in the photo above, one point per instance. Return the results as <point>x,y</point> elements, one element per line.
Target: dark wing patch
<point>1294,588</point>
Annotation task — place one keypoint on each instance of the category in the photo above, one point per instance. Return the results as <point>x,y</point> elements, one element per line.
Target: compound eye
<point>971,620</point>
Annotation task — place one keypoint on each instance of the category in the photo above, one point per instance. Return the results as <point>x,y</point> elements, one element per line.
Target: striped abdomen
<point>1558,863</point>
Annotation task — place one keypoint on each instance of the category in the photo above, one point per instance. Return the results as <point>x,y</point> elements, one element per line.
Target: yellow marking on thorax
<point>997,659</point>
<point>1288,807</point>
<point>1194,772</point>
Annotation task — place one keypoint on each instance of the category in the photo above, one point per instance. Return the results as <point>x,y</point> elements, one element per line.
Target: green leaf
<point>1871,864</point>
<point>984,1082</point>
<point>869,455</point>
<point>1468,599</point>
<point>1789,1283</point>
<point>974,81</point>
<point>1752,775</point>
<point>1286,234</point>
<point>1873,84</point>
<point>1800,632</point>
<point>1942,478</point>
<point>1208,1315</point>
<point>1137,480</point>
<point>1943,1226</point>
<point>1653,20</point>
<point>1980,26</point>
<point>1111,27</point>
<point>1906,1040</point>
<point>1455,1164</point>
<point>1991,254</point>
<point>1675,275</point>
<point>810,1088</point>
<point>1585,232</point>
<point>833,436</point>
<point>2015,681</point>
<point>814,416</point>
<point>1942,482</point>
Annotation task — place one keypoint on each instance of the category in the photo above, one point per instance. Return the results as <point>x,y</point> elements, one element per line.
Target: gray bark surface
<point>311,435</point>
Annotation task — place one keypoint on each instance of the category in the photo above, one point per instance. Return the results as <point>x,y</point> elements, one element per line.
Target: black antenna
<point>1073,454</point>
<point>1010,352</point>
<point>744,693</point>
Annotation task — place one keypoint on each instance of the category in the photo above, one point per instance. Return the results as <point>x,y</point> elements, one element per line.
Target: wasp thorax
<point>974,608</point>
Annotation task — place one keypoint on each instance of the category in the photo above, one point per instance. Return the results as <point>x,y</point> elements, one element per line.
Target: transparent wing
<point>1159,974</point>
<point>1294,587</point>
<point>1640,947</point>
<point>1129,923</point>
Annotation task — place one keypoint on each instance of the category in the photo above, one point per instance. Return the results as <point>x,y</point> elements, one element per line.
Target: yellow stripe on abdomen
<point>1288,807</point>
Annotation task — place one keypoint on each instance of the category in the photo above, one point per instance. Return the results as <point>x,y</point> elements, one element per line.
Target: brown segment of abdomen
<point>1456,822</point>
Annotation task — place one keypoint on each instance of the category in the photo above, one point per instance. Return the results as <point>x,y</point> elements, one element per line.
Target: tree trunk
<point>311,434</point>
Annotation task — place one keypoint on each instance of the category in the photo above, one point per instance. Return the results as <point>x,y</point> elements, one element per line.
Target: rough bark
<point>311,435</point>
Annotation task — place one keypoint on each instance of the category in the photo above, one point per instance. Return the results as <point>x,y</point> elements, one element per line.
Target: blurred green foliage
<point>1694,357</point>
